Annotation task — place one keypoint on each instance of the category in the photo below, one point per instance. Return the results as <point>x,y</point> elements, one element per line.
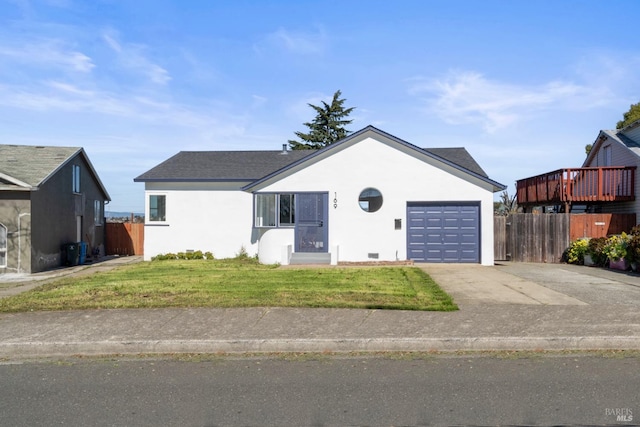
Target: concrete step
<point>310,258</point>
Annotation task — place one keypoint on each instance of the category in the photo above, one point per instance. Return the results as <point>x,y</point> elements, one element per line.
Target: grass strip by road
<point>236,283</point>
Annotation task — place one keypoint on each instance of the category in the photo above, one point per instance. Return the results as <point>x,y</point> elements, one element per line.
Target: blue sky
<point>523,85</point>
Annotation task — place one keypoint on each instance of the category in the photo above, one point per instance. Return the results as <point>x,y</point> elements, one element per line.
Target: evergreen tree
<point>326,128</point>
<point>630,116</point>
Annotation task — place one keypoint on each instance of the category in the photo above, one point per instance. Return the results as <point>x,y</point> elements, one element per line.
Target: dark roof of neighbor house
<point>254,166</point>
<point>27,167</point>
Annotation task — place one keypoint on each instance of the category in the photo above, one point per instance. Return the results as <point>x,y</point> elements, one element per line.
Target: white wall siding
<point>401,178</point>
<point>201,219</point>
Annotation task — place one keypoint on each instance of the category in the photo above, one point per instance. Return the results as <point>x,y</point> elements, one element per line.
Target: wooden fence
<point>545,237</point>
<point>124,239</point>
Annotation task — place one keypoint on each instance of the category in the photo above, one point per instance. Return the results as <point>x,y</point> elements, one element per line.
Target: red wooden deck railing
<point>578,185</point>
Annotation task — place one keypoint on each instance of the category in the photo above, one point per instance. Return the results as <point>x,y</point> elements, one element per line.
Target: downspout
<point>20,237</point>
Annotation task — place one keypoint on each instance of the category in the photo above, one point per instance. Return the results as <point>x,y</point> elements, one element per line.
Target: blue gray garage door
<point>443,232</point>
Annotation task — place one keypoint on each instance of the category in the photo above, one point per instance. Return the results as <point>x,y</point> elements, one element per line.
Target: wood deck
<point>578,185</point>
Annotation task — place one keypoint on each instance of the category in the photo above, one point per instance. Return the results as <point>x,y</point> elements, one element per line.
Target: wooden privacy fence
<point>124,239</point>
<point>526,237</point>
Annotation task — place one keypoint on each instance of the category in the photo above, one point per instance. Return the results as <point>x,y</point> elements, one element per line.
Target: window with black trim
<point>370,200</point>
<point>157,207</point>
<point>274,210</point>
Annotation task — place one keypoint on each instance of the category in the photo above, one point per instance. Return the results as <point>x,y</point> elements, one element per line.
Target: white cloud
<point>469,97</point>
<point>132,57</point>
<point>304,43</point>
<point>49,53</point>
<point>56,96</point>
<point>258,101</point>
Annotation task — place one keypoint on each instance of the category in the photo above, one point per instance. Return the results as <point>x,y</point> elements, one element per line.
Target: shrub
<point>596,250</point>
<point>577,250</point>
<point>633,248</point>
<point>616,247</point>
<point>183,255</point>
<point>242,253</point>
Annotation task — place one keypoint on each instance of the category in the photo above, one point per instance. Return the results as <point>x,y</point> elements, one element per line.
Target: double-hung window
<point>75,177</point>
<point>274,210</point>
<point>97,212</point>
<point>157,207</point>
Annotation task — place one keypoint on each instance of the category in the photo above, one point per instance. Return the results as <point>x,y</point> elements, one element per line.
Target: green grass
<point>237,283</point>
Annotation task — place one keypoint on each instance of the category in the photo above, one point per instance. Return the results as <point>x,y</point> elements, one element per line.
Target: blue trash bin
<point>83,252</point>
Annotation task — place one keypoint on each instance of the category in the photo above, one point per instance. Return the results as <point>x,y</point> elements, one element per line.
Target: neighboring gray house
<point>619,147</point>
<point>49,196</point>
<point>606,183</point>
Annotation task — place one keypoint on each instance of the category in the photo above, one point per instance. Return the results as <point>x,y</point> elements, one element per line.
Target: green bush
<point>616,247</point>
<point>183,255</point>
<point>577,250</point>
<point>596,250</point>
<point>633,248</point>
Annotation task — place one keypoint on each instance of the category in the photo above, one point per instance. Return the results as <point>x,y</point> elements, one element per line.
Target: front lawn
<point>237,283</point>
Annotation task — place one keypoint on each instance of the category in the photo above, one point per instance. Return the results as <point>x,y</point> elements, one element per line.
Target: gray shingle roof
<point>258,166</point>
<point>221,165</point>
<point>23,167</point>
<point>459,156</point>
<point>253,165</point>
<point>32,165</point>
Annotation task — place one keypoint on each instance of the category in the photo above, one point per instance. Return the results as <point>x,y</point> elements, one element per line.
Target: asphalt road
<point>573,389</point>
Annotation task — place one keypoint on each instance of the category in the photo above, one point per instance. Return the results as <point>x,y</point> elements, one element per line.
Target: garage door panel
<point>443,233</point>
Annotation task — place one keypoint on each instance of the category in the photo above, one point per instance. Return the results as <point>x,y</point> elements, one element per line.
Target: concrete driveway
<point>535,284</point>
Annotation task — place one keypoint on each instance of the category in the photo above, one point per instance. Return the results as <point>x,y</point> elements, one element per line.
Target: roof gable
<point>30,166</point>
<point>256,167</point>
<point>615,136</point>
<point>447,156</point>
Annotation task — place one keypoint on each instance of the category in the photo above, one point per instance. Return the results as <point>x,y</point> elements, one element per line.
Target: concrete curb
<point>98,348</point>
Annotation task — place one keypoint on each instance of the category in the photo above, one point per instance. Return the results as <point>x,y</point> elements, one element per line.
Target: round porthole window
<point>370,200</point>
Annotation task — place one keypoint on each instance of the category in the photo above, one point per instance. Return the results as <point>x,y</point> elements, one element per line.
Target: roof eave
<point>79,151</point>
<point>139,179</point>
<point>15,181</point>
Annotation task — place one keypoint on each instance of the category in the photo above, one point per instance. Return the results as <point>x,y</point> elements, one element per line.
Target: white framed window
<point>274,210</point>
<point>157,207</point>
<point>75,176</point>
<point>98,214</point>
<point>3,246</point>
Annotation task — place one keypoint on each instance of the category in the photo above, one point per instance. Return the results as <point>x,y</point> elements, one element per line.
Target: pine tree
<point>326,128</point>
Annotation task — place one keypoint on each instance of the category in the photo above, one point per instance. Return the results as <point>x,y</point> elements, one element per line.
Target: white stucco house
<point>368,197</point>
